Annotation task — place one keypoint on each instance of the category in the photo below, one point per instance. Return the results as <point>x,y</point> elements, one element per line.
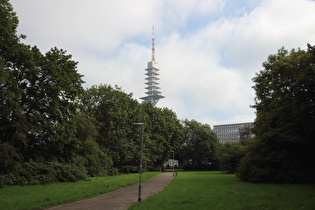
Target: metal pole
<point>173,164</point>
<point>139,195</point>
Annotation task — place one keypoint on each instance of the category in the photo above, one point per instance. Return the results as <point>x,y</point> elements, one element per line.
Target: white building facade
<point>231,132</point>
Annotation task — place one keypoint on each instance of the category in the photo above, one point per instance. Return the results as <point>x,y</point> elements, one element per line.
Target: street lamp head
<point>137,123</point>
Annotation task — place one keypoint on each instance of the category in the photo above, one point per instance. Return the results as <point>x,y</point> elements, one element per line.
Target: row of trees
<point>283,149</point>
<point>53,130</point>
<point>113,113</point>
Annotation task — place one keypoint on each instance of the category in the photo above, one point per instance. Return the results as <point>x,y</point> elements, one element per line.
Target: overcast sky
<point>207,50</point>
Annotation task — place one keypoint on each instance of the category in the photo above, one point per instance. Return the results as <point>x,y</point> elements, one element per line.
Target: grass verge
<point>38,196</point>
<point>214,190</point>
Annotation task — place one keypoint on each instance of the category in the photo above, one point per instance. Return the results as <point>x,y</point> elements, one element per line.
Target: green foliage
<point>114,112</point>
<point>38,98</point>
<point>42,173</point>
<point>163,133</point>
<point>38,109</point>
<point>88,152</point>
<point>8,157</point>
<point>285,126</point>
<point>230,154</point>
<point>8,25</point>
<point>245,142</point>
<point>200,146</point>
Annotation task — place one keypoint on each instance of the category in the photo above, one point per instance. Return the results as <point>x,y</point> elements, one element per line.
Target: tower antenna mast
<point>153,49</point>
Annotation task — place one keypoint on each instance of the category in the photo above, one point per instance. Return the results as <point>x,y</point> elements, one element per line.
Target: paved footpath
<point>121,199</point>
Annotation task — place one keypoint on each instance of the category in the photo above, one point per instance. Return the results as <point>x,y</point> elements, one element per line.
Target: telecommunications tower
<point>153,95</point>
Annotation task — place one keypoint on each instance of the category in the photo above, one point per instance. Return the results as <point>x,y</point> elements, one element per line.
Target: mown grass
<point>214,190</point>
<point>38,196</point>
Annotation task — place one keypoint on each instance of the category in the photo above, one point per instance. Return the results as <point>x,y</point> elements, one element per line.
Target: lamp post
<point>139,195</point>
<point>173,163</point>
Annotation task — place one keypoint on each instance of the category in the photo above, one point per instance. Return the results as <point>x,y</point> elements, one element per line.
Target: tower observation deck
<point>153,95</point>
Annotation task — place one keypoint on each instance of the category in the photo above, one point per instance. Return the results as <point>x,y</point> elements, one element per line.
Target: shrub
<point>112,171</point>
<point>230,154</point>
<point>30,173</point>
<point>262,164</point>
<point>129,169</point>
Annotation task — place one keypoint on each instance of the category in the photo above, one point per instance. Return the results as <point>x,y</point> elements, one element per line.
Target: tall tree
<point>163,133</point>
<point>38,97</point>
<point>115,111</point>
<point>87,151</point>
<point>285,124</point>
<point>9,42</point>
<point>200,144</point>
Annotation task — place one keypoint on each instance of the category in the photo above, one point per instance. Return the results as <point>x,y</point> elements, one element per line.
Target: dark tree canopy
<point>37,94</point>
<point>200,145</point>
<point>38,107</point>
<point>230,154</point>
<point>163,134</point>
<point>115,111</point>
<point>285,124</point>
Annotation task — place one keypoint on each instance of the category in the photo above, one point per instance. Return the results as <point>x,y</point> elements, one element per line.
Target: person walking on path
<point>122,198</point>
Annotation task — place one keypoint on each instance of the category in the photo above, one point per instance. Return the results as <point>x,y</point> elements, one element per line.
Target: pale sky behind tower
<point>207,50</point>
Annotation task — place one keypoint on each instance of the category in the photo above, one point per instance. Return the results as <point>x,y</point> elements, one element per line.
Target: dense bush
<point>130,169</point>
<point>230,154</point>
<point>42,173</point>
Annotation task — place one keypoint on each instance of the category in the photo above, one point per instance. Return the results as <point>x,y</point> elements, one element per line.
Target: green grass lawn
<point>37,196</point>
<point>214,190</point>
